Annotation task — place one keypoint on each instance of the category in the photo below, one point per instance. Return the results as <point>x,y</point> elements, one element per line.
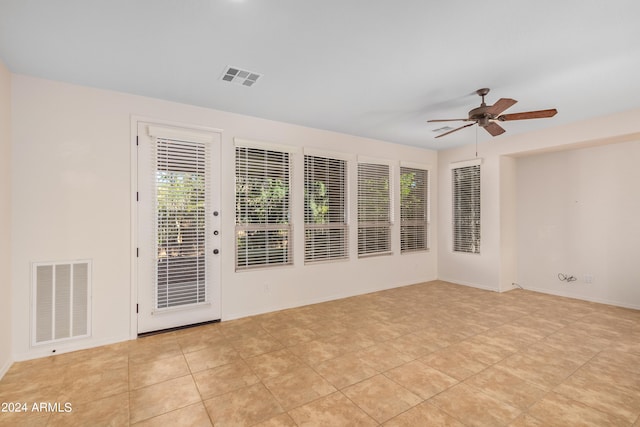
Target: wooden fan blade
<point>455,130</point>
<point>501,105</point>
<point>448,120</point>
<point>540,114</point>
<point>494,129</point>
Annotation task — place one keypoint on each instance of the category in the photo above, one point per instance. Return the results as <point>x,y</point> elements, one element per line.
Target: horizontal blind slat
<point>181,174</point>
<point>414,209</point>
<point>374,209</point>
<point>466,209</point>
<point>262,208</point>
<point>326,234</point>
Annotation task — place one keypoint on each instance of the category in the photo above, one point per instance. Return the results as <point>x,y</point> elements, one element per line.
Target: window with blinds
<point>466,209</point>
<point>181,176</point>
<point>414,209</point>
<point>374,209</point>
<point>325,220</point>
<point>263,228</point>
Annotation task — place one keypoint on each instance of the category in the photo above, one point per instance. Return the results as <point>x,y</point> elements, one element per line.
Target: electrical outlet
<point>588,278</point>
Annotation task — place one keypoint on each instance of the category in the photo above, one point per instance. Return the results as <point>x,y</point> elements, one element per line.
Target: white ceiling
<point>374,68</point>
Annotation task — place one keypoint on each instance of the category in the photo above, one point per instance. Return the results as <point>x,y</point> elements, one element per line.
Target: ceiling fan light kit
<point>487,116</point>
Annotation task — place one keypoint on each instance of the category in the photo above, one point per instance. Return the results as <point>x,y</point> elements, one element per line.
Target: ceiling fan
<point>487,116</point>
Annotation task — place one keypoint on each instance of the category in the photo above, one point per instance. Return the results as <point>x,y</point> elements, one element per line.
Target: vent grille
<point>442,129</point>
<point>61,301</point>
<point>240,77</point>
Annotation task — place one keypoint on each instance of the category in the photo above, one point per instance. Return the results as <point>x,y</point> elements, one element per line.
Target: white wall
<point>495,268</point>
<point>5,220</point>
<point>578,213</point>
<point>508,192</point>
<point>72,199</point>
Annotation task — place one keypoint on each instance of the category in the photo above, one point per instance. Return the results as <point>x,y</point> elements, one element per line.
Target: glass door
<point>178,195</point>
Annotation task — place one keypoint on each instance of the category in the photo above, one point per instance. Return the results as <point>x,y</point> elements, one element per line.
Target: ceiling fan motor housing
<point>480,115</point>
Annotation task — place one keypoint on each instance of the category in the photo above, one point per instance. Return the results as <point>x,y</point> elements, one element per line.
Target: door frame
<point>133,226</point>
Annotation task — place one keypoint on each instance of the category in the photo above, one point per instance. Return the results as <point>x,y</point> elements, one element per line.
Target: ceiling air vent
<point>240,77</point>
<point>442,129</point>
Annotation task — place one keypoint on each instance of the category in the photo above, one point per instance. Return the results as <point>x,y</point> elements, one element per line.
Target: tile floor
<point>424,355</point>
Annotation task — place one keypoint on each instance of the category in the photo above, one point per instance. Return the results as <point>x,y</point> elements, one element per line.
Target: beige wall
<point>5,220</point>
<point>72,175</point>
<point>578,214</point>
<point>71,181</point>
<point>508,191</point>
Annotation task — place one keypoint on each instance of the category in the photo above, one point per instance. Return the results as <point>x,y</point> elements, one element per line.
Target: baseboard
<point>582,297</point>
<point>36,353</point>
<point>303,302</point>
<point>472,285</point>
<point>5,368</point>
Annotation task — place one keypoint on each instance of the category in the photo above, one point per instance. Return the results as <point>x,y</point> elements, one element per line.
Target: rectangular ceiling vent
<point>442,129</point>
<point>240,77</point>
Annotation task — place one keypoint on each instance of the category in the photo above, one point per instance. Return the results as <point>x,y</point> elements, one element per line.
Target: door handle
<point>216,252</point>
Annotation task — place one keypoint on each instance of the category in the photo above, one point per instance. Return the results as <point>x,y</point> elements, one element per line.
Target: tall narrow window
<point>325,219</point>
<point>263,228</point>
<point>466,209</point>
<point>414,209</point>
<point>180,182</point>
<point>374,209</point>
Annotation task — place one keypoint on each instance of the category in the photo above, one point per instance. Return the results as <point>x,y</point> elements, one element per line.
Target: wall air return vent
<point>61,301</point>
<point>240,77</point>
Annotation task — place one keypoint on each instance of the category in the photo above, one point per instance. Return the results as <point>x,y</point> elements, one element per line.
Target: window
<point>263,228</point>
<point>325,221</point>
<point>374,209</point>
<point>414,210</point>
<point>180,185</point>
<point>466,209</point>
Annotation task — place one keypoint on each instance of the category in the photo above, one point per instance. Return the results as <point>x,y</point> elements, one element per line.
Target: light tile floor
<point>423,355</point>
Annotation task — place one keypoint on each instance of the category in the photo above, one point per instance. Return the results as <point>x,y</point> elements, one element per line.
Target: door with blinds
<point>178,227</point>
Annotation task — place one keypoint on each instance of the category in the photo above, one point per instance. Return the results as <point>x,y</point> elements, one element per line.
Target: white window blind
<point>263,228</point>
<point>414,209</point>
<point>181,176</point>
<point>325,227</point>
<point>466,209</point>
<point>374,209</point>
